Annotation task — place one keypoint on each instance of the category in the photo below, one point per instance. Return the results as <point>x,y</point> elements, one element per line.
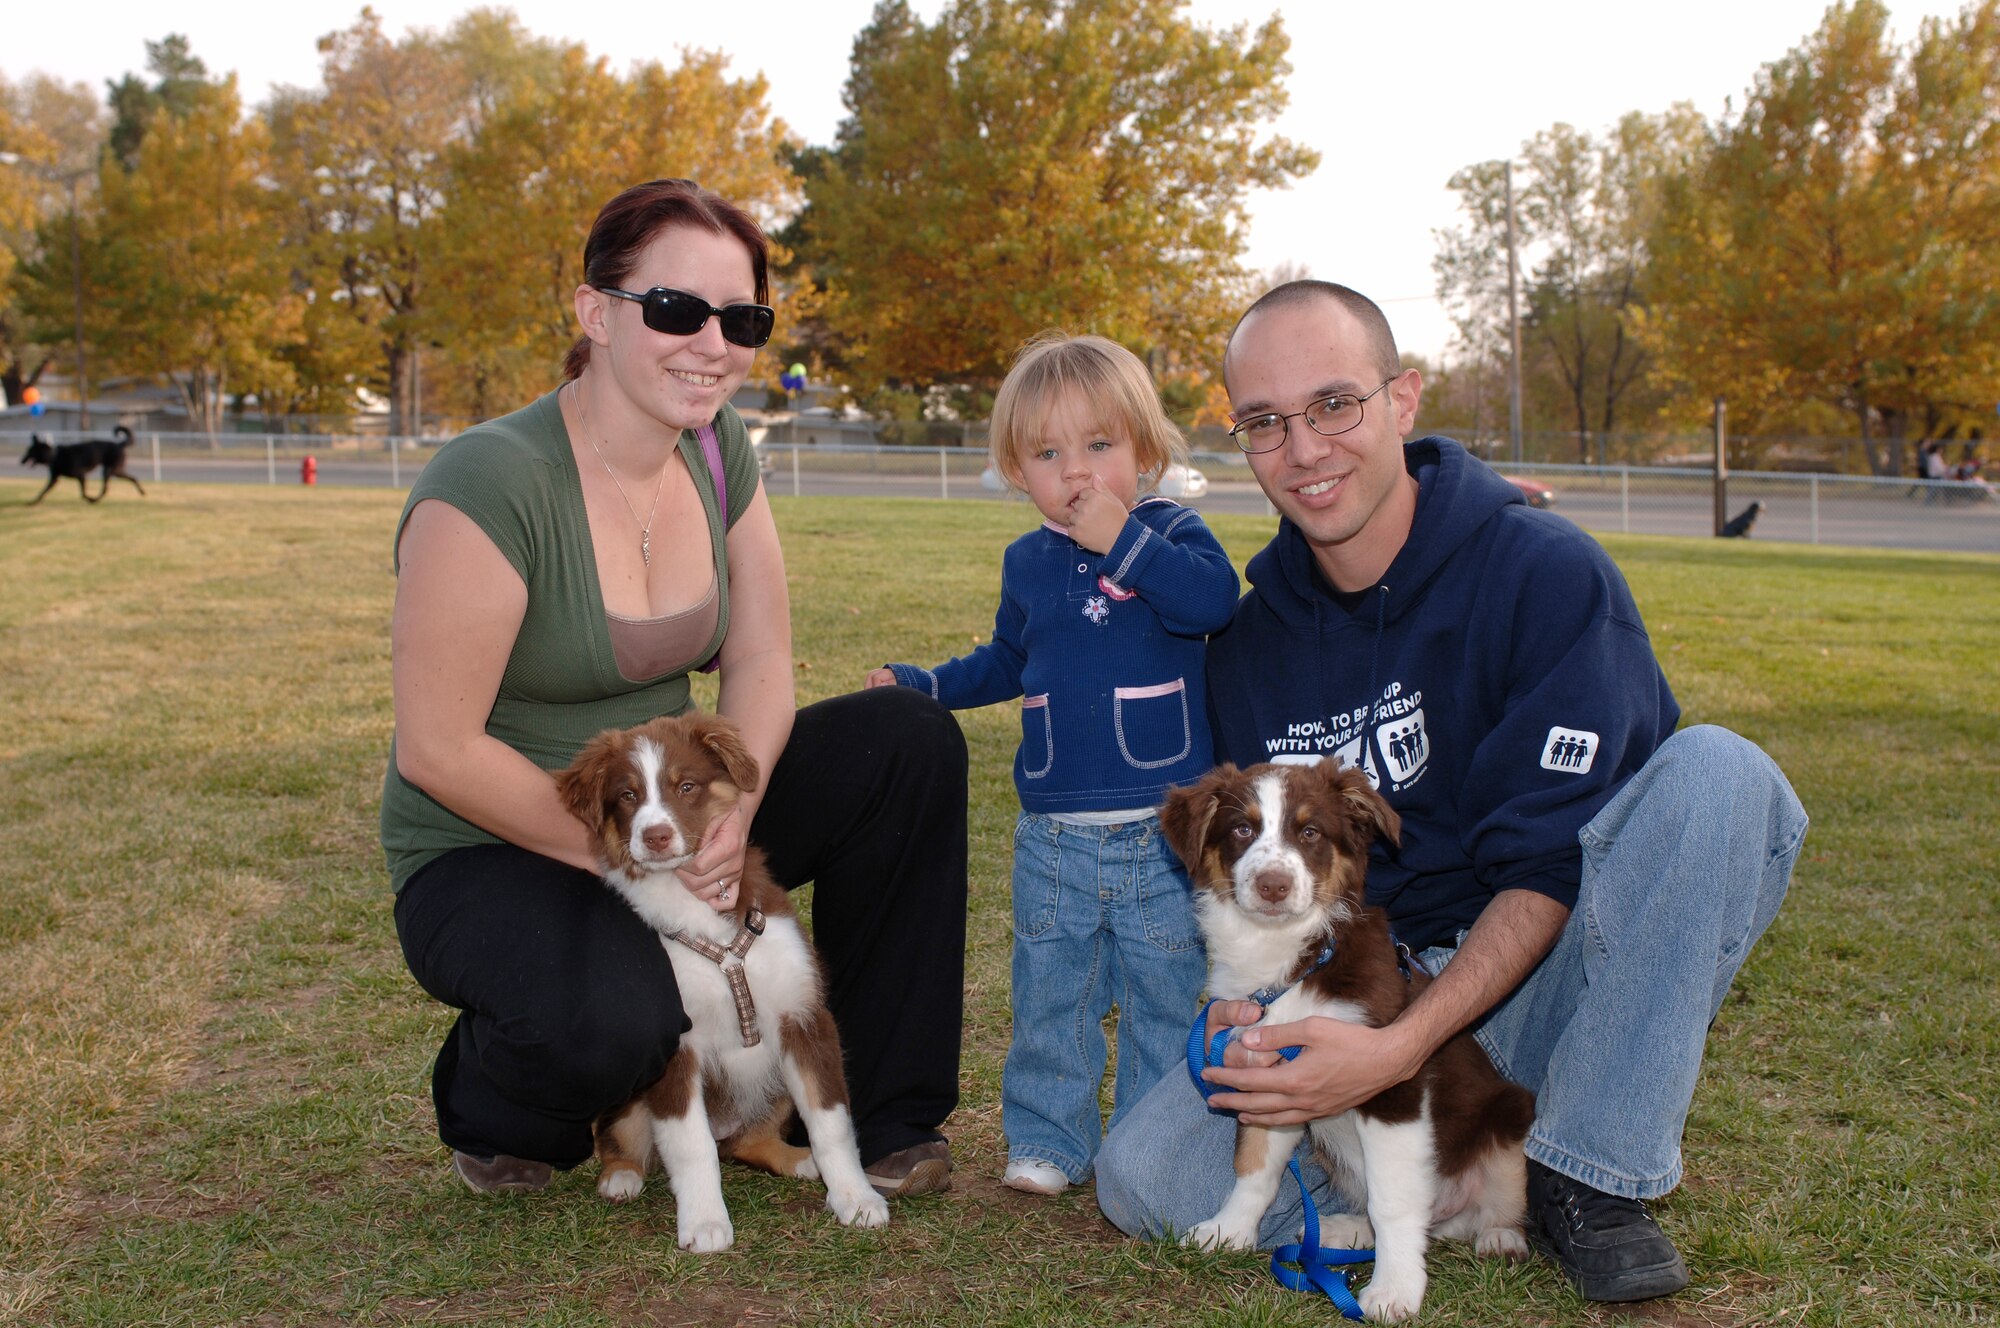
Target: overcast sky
<point>1394,96</point>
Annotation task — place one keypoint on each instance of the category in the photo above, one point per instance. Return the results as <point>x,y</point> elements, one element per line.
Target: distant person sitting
<point>1967,472</point>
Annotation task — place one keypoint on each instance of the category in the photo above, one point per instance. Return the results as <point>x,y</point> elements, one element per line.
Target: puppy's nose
<point>1272,887</point>
<point>658,838</point>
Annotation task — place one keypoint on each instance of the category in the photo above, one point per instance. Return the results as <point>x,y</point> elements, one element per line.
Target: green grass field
<point>213,1067</point>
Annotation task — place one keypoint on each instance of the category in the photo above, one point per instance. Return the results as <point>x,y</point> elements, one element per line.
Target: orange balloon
<point>30,396</point>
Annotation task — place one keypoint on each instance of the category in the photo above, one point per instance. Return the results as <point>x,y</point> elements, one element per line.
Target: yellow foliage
<point>526,188</point>
<point>1025,164</point>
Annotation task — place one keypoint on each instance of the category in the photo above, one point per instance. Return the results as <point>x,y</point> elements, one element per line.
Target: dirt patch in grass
<point>698,1307</point>
<point>1071,1216</point>
<point>90,1212</point>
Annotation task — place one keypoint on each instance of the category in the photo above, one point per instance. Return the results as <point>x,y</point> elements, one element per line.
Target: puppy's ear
<point>720,738</point>
<point>1367,805</point>
<point>1185,815</point>
<point>581,786</point>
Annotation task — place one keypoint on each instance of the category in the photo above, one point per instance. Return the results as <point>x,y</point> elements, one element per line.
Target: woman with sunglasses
<point>560,571</point>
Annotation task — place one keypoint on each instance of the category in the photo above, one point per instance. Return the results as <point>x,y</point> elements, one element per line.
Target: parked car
<point>1177,481</point>
<point>1537,493</point>
<point>1181,481</point>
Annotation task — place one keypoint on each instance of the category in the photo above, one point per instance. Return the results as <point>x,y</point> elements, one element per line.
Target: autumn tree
<point>364,161</point>
<point>181,278</point>
<point>526,186</point>
<point>1837,241</point>
<point>180,81</point>
<point>1942,153</point>
<point>1584,206</point>
<point>1022,164</point>
<point>54,130</point>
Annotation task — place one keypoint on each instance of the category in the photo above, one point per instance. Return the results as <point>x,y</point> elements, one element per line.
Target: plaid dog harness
<point>739,981</point>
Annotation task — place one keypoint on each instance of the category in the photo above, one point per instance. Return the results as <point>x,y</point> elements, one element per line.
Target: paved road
<point>1869,516</point>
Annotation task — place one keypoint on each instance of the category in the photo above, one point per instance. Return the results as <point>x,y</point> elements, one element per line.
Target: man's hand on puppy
<point>1237,1014</point>
<point>715,873</point>
<point>1339,1066</point>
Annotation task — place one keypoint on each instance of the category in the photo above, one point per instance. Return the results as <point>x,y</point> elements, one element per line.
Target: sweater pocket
<point>1152,724</point>
<point>1038,737</point>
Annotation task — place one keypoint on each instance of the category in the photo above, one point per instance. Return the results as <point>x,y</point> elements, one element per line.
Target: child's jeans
<point>1102,915</point>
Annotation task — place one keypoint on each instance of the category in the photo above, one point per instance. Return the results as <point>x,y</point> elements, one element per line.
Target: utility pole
<point>76,299</point>
<point>1513,323</point>
<point>1721,466</point>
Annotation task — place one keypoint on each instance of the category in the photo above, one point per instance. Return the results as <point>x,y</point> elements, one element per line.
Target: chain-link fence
<point>818,457</point>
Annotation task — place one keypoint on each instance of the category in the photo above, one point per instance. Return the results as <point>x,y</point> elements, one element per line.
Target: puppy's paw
<point>1219,1234</point>
<point>620,1185</point>
<point>807,1169</point>
<point>858,1208</point>
<point>1502,1243</point>
<point>706,1237</point>
<point>1389,1299</point>
<point>1346,1231</point>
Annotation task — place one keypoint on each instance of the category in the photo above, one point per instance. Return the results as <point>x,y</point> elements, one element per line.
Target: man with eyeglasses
<point>1583,881</point>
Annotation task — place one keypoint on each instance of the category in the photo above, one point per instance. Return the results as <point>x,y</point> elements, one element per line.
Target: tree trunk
<point>1861,409</point>
<point>14,381</point>
<point>1898,423</point>
<point>194,396</point>
<point>401,395</point>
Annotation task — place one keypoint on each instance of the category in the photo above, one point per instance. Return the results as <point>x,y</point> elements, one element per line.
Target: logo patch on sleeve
<point>1569,751</point>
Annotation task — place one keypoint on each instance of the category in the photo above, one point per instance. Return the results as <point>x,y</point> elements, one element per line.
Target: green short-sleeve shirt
<point>516,478</point>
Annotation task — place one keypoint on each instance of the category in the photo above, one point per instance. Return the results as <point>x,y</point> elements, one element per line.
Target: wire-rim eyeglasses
<point>1328,416</point>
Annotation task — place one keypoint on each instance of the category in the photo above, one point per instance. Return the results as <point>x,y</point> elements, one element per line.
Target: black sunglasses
<point>679,314</point>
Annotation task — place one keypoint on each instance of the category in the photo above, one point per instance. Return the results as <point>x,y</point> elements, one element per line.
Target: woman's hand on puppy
<point>715,874</point>
<point>883,677</point>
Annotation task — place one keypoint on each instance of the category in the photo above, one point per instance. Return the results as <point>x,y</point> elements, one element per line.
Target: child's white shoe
<point>1033,1176</point>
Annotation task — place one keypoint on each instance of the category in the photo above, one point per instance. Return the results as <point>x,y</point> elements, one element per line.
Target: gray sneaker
<point>1610,1247</point>
<point>500,1174</point>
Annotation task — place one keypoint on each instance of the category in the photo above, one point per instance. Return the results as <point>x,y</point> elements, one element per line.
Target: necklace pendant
<point>646,548</point>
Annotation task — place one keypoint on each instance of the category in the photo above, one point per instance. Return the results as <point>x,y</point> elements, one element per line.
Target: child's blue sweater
<point>1107,652</point>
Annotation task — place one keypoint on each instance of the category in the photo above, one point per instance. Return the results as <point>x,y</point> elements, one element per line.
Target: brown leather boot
<point>919,1169</point>
<point>500,1174</point>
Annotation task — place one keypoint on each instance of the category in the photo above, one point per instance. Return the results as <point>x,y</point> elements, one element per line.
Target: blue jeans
<point>1101,914</point>
<point>1682,871</point>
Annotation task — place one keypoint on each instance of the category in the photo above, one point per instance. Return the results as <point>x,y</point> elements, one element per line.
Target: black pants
<point>568,1004</point>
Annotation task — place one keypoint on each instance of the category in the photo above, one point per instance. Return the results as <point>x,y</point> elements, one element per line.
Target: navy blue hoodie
<point>1497,686</point>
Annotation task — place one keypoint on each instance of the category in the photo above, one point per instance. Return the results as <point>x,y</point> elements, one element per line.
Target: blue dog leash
<point>1314,1261</point>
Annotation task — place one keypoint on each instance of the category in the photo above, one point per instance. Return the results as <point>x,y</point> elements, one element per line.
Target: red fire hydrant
<point>309,471</point>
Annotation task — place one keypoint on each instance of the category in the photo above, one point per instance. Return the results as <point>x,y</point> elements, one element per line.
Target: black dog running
<point>75,461</point>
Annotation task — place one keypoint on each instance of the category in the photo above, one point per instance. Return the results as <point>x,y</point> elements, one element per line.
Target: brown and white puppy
<point>1278,855</point>
<point>649,794</point>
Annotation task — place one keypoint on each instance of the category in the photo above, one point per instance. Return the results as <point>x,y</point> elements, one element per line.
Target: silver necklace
<point>645,527</point>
